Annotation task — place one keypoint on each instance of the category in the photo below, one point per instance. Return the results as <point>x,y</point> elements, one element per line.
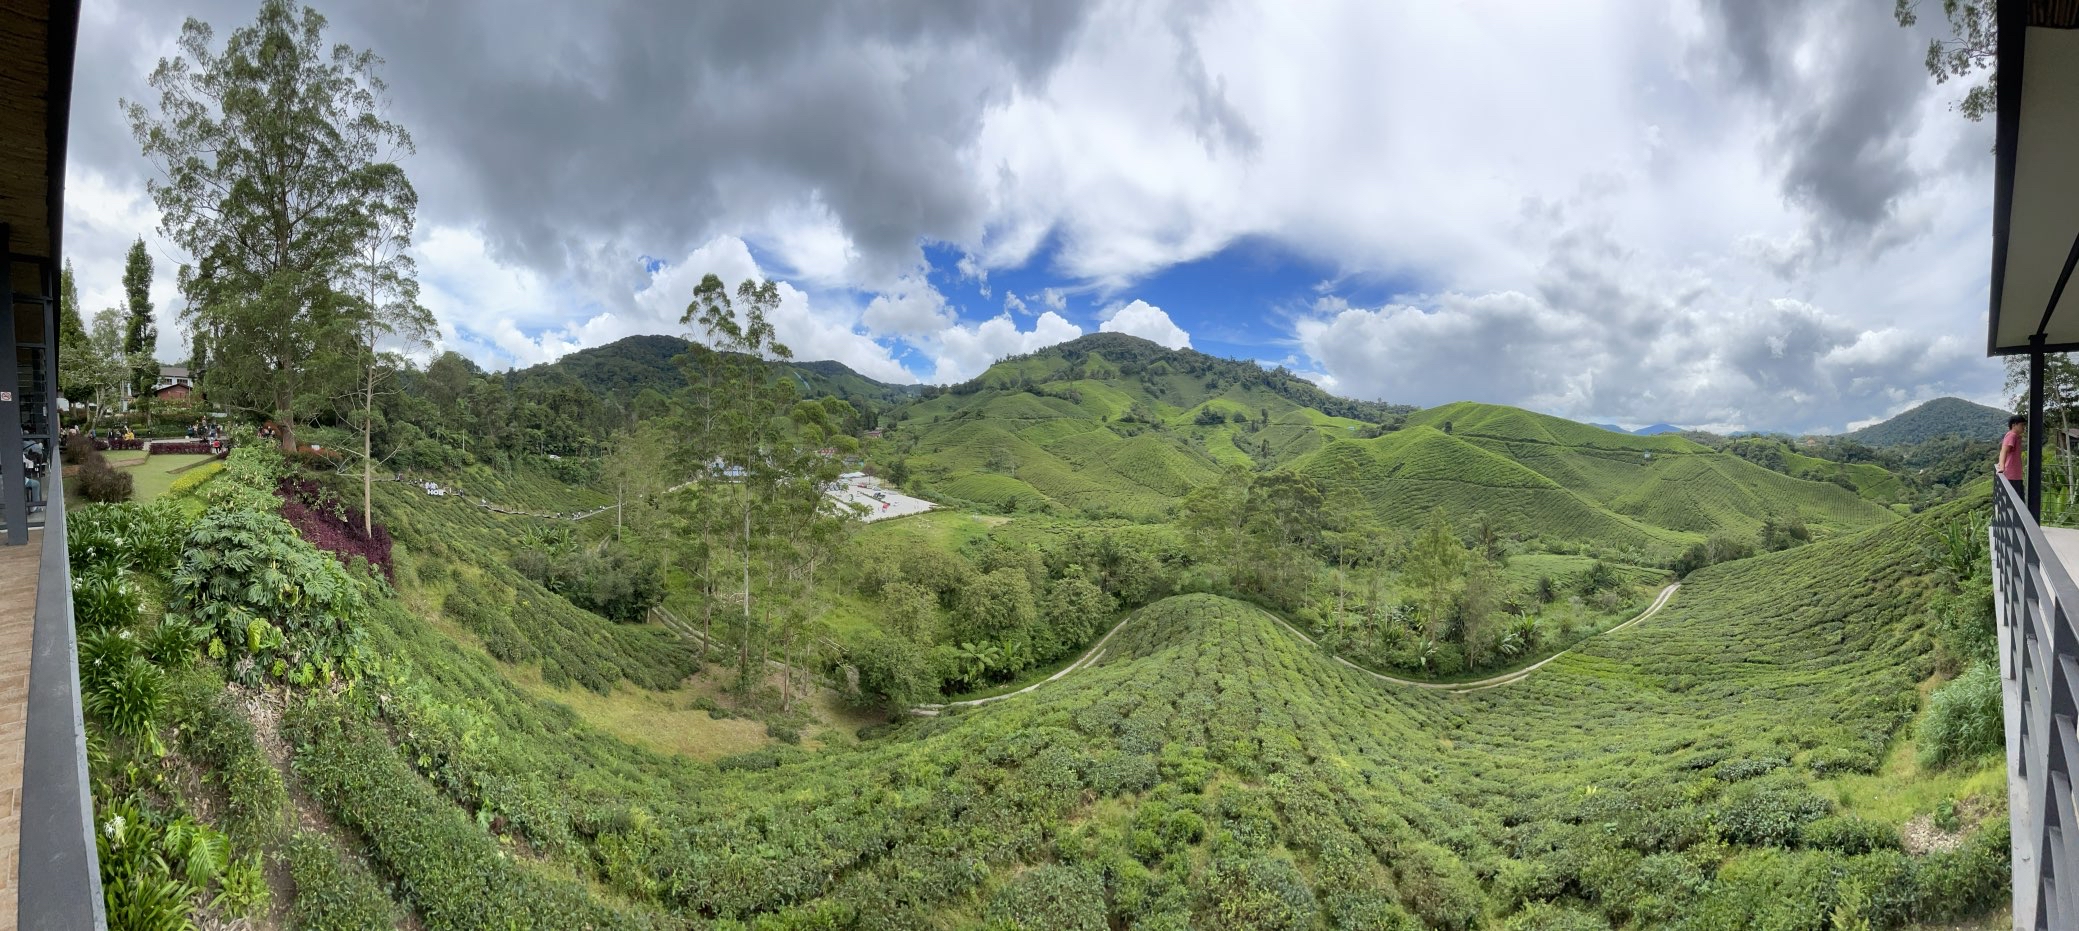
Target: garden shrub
<point>153,865</point>
<point>181,448</point>
<point>103,599</point>
<point>251,474</point>
<point>333,526</point>
<point>1049,898</point>
<point>145,538</point>
<point>126,697</point>
<point>1963,719</point>
<point>271,599</point>
<point>101,483</point>
<point>334,892</point>
<point>95,480</point>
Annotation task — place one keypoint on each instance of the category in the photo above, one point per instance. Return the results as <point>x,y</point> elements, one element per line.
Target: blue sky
<point>1714,213</point>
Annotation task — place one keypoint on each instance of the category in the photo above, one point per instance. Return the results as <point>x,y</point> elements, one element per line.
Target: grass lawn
<point>124,458</point>
<point>947,530</point>
<point>1901,789</point>
<point>153,476</point>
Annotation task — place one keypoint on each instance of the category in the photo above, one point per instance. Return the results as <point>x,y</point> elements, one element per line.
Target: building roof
<point>36,42</point>
<point>173,371</point>
<point>2035,191</point>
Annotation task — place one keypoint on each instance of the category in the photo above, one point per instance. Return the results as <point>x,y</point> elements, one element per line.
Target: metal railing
<point>2039,677</point>
<point>60,882</point>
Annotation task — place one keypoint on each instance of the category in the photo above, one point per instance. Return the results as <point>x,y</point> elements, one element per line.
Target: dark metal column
<point>14,490</point>
<point>54,459</point>
<point>2035,427</point>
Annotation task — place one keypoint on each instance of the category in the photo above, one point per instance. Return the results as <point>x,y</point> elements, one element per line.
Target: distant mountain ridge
<point>1936,418</point>
<point>1115,426</point>
<point>626,367</point>
<point>1653,430</point>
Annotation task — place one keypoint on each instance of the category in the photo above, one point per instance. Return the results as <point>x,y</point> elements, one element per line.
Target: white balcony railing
<point>2036,601</point>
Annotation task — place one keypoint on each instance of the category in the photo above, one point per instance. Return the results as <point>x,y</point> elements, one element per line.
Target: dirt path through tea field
<point>1096,652</point>
<point>1460,688</point>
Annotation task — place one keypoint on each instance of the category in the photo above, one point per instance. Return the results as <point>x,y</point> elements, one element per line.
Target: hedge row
<point>455,875</point>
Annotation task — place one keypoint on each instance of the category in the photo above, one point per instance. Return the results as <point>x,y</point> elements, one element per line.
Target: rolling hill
<point>1721,766</point>
<point>1113,425</point>
<point>1937,418</point>
<point>1117,426</point>
<point>626,367</point>
<point>1565,482</point>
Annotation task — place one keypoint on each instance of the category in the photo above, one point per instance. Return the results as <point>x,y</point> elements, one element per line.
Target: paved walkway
<point>18,570</point>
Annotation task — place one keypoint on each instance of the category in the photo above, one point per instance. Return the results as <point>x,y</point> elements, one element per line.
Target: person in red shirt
<point>2009,461</point>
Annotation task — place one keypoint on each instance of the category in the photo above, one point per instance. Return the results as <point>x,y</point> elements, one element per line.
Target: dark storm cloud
<point>559,126</point>
<point>1841,83</point>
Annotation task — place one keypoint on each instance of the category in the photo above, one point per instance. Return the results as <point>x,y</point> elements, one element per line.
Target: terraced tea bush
<point>1050,898</point>
<point>215,735</point>
<point>333,891</point>
<point>453,873</point>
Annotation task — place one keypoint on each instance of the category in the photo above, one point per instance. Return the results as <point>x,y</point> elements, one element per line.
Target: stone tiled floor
<point>18,566</point>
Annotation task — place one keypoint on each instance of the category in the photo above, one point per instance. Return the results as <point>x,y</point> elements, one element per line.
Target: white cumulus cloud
<point>1148,322</point>
<point>964,351</point>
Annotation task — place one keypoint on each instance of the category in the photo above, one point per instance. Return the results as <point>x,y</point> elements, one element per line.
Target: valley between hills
<point>1184,643</point>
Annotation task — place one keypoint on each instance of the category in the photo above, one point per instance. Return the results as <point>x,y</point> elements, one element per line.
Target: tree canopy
<point>278,171</point>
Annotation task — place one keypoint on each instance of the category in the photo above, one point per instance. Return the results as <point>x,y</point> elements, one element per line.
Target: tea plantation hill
<point>624,369</point>
<point>1569,482</point>
<point>1937,418</point>
<point>1736,762</point>
<point>1113,425</point>
<point>1784,454</point>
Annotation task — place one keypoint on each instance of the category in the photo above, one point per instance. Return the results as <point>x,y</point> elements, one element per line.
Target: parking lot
<point>880,501</point>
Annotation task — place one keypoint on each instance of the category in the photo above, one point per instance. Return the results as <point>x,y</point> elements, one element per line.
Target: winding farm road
<point>1460,688</point>
<point>1096,652</point>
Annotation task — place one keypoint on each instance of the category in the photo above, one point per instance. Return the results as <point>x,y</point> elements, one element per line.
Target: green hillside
<point>1496,421</point>
<point>463,745</point>
<point>1560,481</point>
<point>1077,431</point>
<point>1873,482</point>
<point>1404,476</point>
<point>628,366</point>
<point>1701,771</point>
<point>1110,425</point>
<point>1937,418</point>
